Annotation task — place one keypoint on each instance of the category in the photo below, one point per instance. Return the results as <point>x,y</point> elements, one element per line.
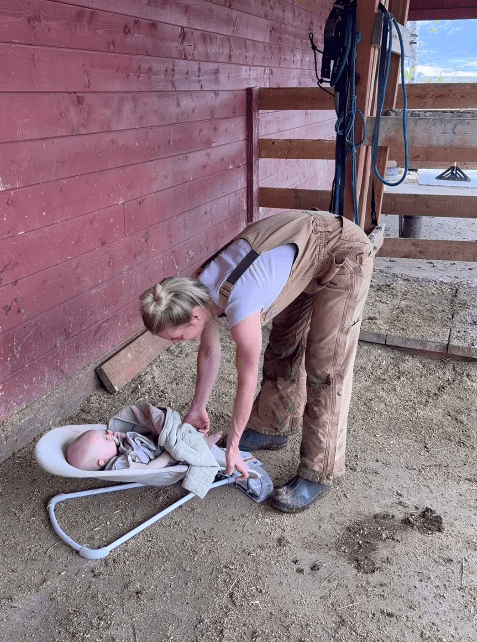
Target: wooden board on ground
<point>463,333</point>
<point>420,314</point>
<point>130,361</point>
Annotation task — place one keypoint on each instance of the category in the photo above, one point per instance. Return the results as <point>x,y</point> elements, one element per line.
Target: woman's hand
<point>199,419</point>
<point>234,461</point>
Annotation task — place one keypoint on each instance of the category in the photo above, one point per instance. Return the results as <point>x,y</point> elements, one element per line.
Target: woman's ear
<point>198,313</point>
<point>102,462</point>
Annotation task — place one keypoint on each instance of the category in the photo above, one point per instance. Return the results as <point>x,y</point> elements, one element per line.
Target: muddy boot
<point>298,494</point>
<point>252,440</point>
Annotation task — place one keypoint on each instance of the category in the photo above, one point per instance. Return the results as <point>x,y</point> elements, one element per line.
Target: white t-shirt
<point>259,285</point>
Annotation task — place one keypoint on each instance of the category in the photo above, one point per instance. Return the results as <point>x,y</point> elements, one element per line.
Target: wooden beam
<point>288,98</point>
<point>431,157</point>
<point>252,153</point>
<point>121,368</point>
<point>294,199</point>
<point>419,96</point>
<point>325,149</point>
<point>444,205</point>
<point>442,95</point>
<point>418,164</point>
<point>393,203</point>
<point>445,132</point>
<point>428,157</point>
<point>295,148</point>
<point>429,250</point>
<point>453,11</point>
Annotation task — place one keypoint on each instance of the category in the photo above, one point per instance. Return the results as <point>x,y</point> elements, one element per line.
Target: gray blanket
<point>181,440</point>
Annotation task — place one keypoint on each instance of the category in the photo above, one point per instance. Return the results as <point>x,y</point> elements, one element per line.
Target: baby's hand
<point>118,435</point>
<point>213,438</point>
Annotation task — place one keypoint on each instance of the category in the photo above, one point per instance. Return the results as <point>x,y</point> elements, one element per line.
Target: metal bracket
<point>396,48</point>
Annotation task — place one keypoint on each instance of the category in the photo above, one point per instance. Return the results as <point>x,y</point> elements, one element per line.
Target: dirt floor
<point>390,554</point>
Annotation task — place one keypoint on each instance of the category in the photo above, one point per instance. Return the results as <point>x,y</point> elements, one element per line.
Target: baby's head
<point>92,450</point>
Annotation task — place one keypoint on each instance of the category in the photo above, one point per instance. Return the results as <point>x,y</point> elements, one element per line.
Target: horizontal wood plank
<point>301,14</point>
<point>26,298</point>
<point>46,160</point>
<point>432,157</point>
<point>441,95</point>
<point>296,148</point>
<point>320,180</point>
<point>39,115</point>
<point>300,199</point>
<point>35,206</point>
<point>247,19</point>
<point>276,124</point>
<point>419,164</point>
<point>435,156</point>
<point>42,334</point>
<point>429,249</point>
<point>290,176</point>
<point>49,70</point>
<point>202,15</point>
<point>291,98</point>
<point>393,203</point>
<point>29,253</point>
<point>425,204</point>
<point>41,376</point>
<point>271,166</point>
<point>419,96</point>
<point>425,132</point>
<point>437,11</point>
<point>143,212</point>
<point>48,24</point>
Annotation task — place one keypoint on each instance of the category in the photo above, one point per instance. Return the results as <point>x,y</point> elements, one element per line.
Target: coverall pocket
<point>347,259</point>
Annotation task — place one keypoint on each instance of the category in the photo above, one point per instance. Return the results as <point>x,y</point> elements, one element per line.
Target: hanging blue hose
<point>343,79</point>
<point>384,63</point>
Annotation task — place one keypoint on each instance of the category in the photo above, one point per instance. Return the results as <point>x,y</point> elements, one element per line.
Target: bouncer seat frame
<point>51,451</point>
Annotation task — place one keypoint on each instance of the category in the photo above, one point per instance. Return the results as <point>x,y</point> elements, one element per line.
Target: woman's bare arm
<point>247,335</point>
<point>208,362</point>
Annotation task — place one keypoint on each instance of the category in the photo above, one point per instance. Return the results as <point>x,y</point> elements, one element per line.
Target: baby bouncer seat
<point>51,451</point>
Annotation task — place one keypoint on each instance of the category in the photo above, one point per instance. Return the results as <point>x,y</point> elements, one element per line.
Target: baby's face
<point>105,445</point>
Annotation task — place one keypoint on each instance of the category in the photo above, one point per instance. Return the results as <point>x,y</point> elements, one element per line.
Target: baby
<point>97,450</point>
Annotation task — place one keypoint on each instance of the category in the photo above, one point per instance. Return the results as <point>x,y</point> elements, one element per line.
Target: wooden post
<point>253,106</point>
<point>400,10</point>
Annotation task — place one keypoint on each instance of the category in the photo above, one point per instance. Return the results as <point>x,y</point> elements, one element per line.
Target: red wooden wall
<point>122,160</point>
<point>442,9</point>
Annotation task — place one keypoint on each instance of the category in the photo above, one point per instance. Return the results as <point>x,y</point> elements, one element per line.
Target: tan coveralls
<point>308,363</point>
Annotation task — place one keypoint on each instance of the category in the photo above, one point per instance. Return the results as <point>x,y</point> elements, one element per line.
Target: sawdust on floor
<point>355,567</point>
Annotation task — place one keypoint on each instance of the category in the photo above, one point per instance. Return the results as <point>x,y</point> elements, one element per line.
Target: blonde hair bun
<point>169,304</point>
<point>158,293</point>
